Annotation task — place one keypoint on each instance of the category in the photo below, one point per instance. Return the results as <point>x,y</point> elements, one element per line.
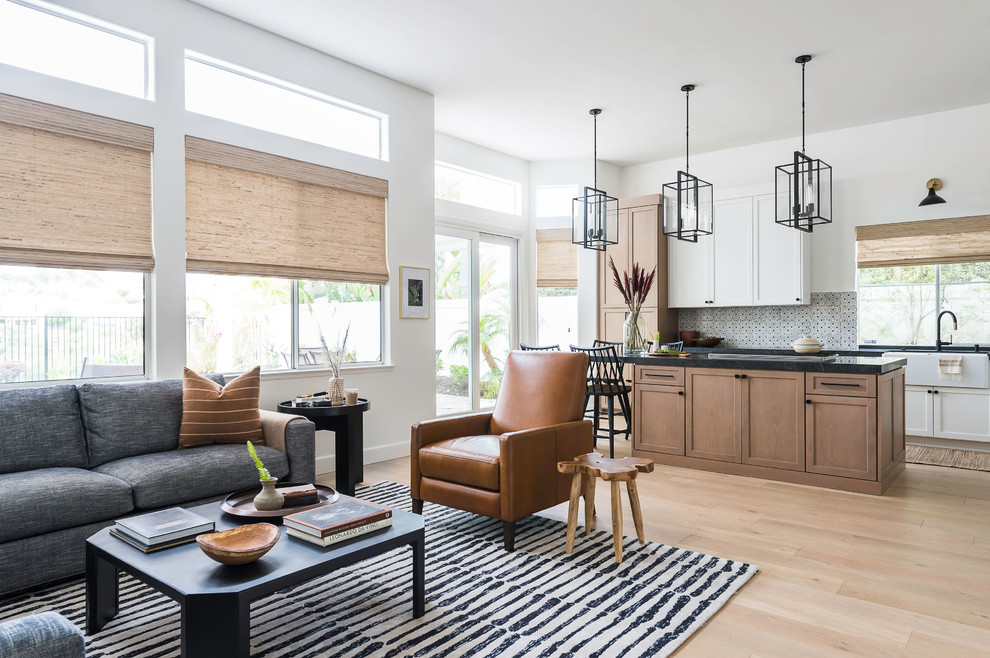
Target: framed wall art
<point>416,292</point>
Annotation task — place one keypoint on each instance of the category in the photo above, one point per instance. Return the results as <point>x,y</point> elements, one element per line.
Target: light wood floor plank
<point>906,574</point>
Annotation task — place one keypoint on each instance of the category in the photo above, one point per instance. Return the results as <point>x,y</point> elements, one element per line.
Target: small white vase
<point>335,390</point>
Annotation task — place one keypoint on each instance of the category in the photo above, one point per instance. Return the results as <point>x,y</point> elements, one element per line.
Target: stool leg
<point>589,503</point>
<point>637,511</point>
<point>617,521</point>
<point>572,510</point>
<point>597,423</point>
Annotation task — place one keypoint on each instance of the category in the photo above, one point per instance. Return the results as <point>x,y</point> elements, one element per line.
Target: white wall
<point>401,392</point>
<point>879,174</point>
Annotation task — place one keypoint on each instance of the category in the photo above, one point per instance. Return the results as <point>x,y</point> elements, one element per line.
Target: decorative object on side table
<point>415,292</point>
<point>807,345</point>
<point>269,498</point>
<point>351,395</point>
<point>335,359</point>
<point>634,290</point>
<point>239,545</point>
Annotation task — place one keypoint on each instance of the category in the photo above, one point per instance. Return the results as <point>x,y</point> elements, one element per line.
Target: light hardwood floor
<point>904,574</point>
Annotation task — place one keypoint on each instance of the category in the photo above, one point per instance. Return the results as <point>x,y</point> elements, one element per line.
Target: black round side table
<point>346,421</point>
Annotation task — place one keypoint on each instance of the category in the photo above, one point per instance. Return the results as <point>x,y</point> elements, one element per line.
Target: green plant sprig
<point>262,471</point>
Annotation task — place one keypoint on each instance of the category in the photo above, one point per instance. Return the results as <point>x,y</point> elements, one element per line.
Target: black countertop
<point>848,362</point>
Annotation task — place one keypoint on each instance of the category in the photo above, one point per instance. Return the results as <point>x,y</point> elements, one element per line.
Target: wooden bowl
<point>707,342</point>
<point>239,545</point>
<point>688,337</point>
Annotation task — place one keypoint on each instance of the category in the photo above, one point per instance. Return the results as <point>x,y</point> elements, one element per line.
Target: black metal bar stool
<point>605,380</point>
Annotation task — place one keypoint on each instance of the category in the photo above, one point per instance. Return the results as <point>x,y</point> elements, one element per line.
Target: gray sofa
<point>75,458</point>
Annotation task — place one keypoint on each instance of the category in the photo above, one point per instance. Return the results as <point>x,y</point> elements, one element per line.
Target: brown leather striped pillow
<point>220,414</point>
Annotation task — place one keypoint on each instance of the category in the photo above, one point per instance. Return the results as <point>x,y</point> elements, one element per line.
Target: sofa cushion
<point>212,413</point>
<point>40,428</point>
<point>172,478</point>
<point>50,499</point>
<point>135,418</point>
<point>470,460</point>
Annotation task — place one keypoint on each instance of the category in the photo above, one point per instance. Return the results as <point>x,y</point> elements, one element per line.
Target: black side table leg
<point>101,591</point>
<point>216,626</point>
<point>419,576</point>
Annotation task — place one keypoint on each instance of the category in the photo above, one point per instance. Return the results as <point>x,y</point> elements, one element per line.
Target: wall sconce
<point>934,185</point>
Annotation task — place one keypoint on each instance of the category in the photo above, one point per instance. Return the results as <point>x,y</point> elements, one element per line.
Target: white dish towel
<point>950,367</point>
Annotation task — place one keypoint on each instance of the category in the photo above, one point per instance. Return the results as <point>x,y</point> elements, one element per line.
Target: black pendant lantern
<point>804,186</point>
<point>595,215</point>
<point>687,202</point>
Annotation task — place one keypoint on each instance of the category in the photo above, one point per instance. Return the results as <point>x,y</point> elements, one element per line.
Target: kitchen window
<point>898,305</point>
<point>474,188</point>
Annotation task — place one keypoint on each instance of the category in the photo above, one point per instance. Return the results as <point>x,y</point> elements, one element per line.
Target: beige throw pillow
<point>220,414</point>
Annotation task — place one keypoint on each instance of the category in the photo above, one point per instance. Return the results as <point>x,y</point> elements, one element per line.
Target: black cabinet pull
<point>743,376</point>
<point>929,391</point>
<point>839,384</point>
<point>807,401</point>
<point>680,392</point>
<point>797,299</point>
<point>653,374</point>
<point>735,376</point>
<point>935,392</point>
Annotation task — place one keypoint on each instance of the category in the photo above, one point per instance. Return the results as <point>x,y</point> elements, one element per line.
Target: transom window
<point>898,305</point>
<point>49,41</point>
<point>474,188</point>
<point>252,99</point>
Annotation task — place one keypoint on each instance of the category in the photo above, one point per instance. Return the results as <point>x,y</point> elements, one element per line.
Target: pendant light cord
<point>596,150</point>
<point>802,107</point>
<point>687,132</point>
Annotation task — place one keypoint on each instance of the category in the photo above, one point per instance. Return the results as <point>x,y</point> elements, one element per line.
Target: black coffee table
<point>216,599</point>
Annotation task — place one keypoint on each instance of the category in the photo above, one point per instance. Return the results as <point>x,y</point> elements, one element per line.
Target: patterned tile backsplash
<point>831,318</point>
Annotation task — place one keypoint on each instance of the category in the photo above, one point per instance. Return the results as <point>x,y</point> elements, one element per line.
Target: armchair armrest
<point>296,437</point>
<point>441,429</point>
<point>528,477</point>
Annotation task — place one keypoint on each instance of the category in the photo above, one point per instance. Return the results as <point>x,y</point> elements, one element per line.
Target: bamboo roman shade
<point>75,189</point>
<point>254,213</point>
<point>954,240</point>
<point>556,259</point>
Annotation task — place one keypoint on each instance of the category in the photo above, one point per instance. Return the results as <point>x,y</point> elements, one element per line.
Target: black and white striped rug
<point>480,600</point>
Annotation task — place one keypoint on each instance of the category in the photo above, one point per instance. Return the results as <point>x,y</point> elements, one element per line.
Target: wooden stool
<point>586,468</point>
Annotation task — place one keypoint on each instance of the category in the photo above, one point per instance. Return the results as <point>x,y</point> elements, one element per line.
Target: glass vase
<point>634,334</point>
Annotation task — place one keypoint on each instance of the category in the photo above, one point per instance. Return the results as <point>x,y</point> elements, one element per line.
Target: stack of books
<point>337,521</point>
<point>162,529</point>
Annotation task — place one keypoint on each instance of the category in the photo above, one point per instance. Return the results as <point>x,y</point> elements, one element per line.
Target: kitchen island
<point>832,421</point>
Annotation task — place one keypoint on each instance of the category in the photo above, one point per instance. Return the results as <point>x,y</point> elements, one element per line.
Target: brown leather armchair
<point>503,463</point>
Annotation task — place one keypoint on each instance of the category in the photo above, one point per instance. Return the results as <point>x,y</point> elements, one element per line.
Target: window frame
<point>515,185</point>
<point>103,26</point>
<point>285,85</point>
<point>937,285</point>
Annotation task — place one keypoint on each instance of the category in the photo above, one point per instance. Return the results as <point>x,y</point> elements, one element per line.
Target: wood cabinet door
<point>644,225</point>
<point>841,435</point>
<point>773,419</point>
<point>658,419</point>
<point>712,418</point>
<point>609,294</point>
<point>732,253</point>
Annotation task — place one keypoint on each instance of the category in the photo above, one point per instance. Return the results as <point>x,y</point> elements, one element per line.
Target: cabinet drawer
<point>668,375</point>
<point>863,386</point>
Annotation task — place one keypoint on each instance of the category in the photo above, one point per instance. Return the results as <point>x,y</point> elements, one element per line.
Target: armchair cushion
<point>540,389</point>
<point>470,460</point>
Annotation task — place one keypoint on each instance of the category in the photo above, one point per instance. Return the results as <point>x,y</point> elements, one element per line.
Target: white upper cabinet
<point>749,260</point>
<point>781,259</point>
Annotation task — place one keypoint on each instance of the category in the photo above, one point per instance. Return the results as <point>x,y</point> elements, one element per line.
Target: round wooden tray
<point>241,503</point>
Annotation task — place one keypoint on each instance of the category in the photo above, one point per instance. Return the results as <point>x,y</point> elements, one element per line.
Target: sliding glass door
<point>475,317</point>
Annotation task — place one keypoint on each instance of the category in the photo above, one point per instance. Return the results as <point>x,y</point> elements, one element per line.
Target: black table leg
<point>216,626</point>
<point>101,591</point>
<point>419,576</point>
<point>355,441</point>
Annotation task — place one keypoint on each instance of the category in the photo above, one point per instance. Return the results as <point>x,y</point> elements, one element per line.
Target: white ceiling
<point>519,76</point>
